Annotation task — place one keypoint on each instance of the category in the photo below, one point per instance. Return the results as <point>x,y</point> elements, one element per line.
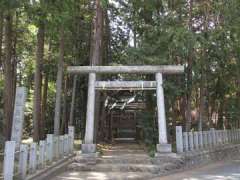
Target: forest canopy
<point>40,38</point>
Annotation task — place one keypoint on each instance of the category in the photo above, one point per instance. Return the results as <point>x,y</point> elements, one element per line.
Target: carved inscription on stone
<point>18,115</point>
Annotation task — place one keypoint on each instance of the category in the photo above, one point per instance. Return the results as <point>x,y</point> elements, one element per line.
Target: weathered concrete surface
<point>51,170</point>
<point>167,69</point>
<point>131,162</point>
<point>121,161</point>
<point>203,157</point>
<point>103,176</point>
<point>224,170</point>
<point>118,85</point>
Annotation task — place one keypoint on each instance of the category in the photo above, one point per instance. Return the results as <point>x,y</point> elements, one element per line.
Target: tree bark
<point>96,57</point>
<point>97,36</point>
<point>189,75</point>
<point>59,84</point>
<point>8,92</point>
<point>64,116</point>
<point>44,107</point>
<point>203,81</point>
<point>73,100</point>
<point>38,81</point>
<point>1,37</point>
<point>45,94</point>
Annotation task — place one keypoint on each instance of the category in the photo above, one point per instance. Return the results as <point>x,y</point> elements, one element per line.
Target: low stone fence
<point>24,161</point>
<point>203,157</point>
<point>203,140</point>
<point>203,147</point>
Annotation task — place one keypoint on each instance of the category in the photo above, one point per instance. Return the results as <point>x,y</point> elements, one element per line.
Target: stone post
<point>200,133</point>
<point>33,158</point>
<point>9,157</point>
<point>41,154</point>
<point>191,145</point>
<point>185,140</point>
<point>223,139</point>
<point>196,140</point>
<point>89,146</point>
<point>163,146</point>
<point>50,147</point>
<point>231,135</point>
<point>205,139</point>
<point>56,147</point>
<point>218,136</point>
<point>210,139</point>
<point>23,158</point>
<point>71,134</point>
<point>18,116</point>
<point>228,136</point>
<point>61,146</point>
<point>237,132</point>
<point>213,135</point>
<point>179,139</point>
<point>235,135</point>
<point>226,140</point>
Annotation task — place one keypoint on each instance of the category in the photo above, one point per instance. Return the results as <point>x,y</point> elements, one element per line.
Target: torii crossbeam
<point>89,146</point>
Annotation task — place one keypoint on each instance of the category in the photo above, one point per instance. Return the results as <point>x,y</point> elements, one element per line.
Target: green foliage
<point>146,124</point>
<point>163,32</point>
<point>104,3</point>
<point>164,36</point>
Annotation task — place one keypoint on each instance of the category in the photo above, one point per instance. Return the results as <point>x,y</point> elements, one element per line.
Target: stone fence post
<point>185,141</point>
<point>213,136</point>
<point>23,157</point>
<point>191,145</point>
<point>196,140</point>
<point>179,139</point>
<point>200,133</point>
<point>50,147</point>
<point>205,139</point>
<point>33,158</point>
<point>71,134</point>
<point>8,164</point>
<point>41,156</point>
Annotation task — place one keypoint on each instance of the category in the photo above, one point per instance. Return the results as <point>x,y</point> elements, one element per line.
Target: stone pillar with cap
<point>163,146</point>
<point>88,146</point>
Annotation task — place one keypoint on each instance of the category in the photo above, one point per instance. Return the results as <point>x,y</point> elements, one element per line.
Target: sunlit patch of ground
<point>227,170</point>
<point>98,176</point>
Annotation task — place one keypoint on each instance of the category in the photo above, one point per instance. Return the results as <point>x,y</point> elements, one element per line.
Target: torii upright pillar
<point>163,146</point>
<point>88,146</point>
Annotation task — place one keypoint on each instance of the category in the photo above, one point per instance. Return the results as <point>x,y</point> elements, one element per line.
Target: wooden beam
<point>125,85</point>
<point>166,69</point>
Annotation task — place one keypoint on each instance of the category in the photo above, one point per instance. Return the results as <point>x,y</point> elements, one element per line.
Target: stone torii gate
<point>89,146</point>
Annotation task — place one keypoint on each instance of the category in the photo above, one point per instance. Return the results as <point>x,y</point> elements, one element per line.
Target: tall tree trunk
<point>189,75</point>
<point>96,58</point>
<point>14,54</point>
<point>45,94</point>
<point>202,103</point>
<point>203,81</point>
<point>220,123</point>
<point>38,81</point>
<point>1,54</point>
<point>59,83</point>
<point>44,107</point>
<point>64,116</point>
<point>238,92</point>
<point>73,100</point>
<point>97,36</point>
<point>1,38</point>
<point>8,93</point>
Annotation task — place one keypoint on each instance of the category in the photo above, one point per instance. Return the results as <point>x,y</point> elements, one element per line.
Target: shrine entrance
<point>93,85</point>
<point>123,126</point>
